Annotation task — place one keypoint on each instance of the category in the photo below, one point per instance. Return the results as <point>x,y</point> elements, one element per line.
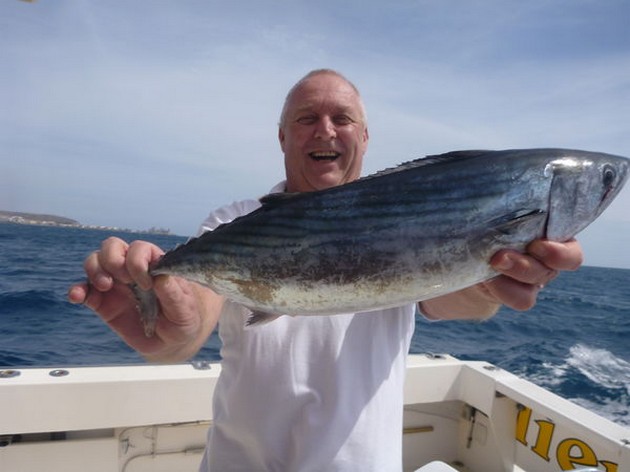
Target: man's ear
<point>281,138</point>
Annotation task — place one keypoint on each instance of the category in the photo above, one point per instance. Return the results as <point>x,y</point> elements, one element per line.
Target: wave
<point>592,377</point>
<point>600,366</point>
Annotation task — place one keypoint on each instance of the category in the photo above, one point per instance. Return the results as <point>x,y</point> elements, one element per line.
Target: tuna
<point>423,229</point>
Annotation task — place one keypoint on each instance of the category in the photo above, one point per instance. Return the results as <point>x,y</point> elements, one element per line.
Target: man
<point>303,393</point>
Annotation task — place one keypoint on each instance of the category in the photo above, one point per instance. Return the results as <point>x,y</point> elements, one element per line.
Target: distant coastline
<point>38,219</point>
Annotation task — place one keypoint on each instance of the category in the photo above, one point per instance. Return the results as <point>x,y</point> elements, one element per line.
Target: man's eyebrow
<point>303,109</point>
<point>336,110</point>
<point>297,111</point>
<point>339,109</point>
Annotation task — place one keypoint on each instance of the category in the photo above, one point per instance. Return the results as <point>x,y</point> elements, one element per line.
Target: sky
<point>152,113</point>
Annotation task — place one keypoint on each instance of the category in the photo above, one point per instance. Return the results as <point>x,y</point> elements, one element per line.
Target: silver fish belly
<point>423,229</point>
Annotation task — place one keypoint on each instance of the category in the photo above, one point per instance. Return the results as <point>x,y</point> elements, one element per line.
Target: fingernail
<point>72,297</point>
<point>102,281</point>
<point>505,263</point>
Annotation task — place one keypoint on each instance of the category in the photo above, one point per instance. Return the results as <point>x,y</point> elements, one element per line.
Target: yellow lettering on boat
<point>570,453</point>
<point>610,466</point>
<point>543,440</point>
<point>522,423</point>
<point>573,452</point>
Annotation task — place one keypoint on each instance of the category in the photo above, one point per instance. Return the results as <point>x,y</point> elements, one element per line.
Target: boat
<point>464,416</point>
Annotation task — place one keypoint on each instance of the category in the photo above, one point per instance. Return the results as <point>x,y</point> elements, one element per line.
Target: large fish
<point>417,231</point>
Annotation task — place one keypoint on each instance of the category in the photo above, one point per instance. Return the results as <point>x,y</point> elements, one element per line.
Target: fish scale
<point>423,229</point>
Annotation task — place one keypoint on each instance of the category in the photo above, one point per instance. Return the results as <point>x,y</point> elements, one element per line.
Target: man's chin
<point>326,181</point>
<point>312,179</point>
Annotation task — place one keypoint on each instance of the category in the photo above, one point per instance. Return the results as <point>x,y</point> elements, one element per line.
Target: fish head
<point>583,184</point>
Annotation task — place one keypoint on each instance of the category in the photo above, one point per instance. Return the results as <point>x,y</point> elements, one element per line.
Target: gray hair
<point>311,74</point>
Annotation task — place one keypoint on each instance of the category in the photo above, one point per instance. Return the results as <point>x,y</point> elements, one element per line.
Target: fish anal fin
<point>259,318</point>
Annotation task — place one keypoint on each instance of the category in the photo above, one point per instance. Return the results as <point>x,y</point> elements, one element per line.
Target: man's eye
<point>306,120</point>
<point>342,120</point>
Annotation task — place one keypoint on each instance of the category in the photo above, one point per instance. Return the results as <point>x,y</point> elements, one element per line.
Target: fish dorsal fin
<point>458,155</point>
<point>429,160</point>
<point>280,197</point>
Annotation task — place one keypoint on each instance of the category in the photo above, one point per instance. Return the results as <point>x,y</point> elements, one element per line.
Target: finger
<point>140,254</point>
<point>523,268</point>
<point>86,294</point>
<point>112,259</point>
<point>559,256</point>
<point>100,279</point>
<point>512,293</point>
<point>77,294</point>
<point>180,321</point>
<point>176,297</point>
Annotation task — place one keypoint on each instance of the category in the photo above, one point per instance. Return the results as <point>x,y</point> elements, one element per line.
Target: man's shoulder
<point>227,213</point>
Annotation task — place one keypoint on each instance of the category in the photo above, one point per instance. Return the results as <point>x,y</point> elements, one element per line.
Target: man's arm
<point>522,277</point>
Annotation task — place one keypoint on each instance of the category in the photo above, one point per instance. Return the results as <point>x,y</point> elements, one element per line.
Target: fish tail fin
<point>148,306</point>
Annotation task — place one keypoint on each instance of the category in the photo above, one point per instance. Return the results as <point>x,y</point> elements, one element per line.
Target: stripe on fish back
<point>405,195</point>
<point>440,193</point>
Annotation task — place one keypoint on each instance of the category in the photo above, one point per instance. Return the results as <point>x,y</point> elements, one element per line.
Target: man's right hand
<point>188,312</point>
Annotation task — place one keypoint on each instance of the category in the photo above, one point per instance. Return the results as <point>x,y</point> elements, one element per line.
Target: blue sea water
<point>575,342</point>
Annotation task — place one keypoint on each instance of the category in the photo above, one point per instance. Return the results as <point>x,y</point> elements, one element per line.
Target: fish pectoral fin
<point>260,318</point>
<point>518,220</point>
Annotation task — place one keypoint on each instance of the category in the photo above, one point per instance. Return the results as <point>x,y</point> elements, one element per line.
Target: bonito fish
<point>406,234</point>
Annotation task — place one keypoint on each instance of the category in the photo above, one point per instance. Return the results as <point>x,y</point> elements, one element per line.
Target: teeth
<point>325,153</point>
<point>321,155</point>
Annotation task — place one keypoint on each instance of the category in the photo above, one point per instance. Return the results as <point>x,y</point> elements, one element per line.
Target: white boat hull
<point>472,415</point>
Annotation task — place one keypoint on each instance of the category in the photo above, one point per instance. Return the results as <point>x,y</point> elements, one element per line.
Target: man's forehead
<point>331,106</point>
<point>338,96</point>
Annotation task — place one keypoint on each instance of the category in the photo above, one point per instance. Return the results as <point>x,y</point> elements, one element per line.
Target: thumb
<point>176,298</point>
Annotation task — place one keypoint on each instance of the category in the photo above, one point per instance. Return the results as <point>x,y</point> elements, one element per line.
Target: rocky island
<point>36,219</point>
<point>54,220</point>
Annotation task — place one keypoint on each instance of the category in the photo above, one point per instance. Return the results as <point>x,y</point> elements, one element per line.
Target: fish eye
<point>608,176</point>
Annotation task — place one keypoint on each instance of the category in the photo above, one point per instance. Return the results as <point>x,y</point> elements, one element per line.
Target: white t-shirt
<point>308,393</point>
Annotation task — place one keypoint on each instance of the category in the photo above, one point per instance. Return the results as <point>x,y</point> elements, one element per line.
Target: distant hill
<point>22,218</point>
<point>35,218</point>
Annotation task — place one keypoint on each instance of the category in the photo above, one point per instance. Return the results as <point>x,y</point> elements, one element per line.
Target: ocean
<point>575,342</point>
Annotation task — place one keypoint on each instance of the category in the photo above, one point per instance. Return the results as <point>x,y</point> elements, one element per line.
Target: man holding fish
<point>311,392</point>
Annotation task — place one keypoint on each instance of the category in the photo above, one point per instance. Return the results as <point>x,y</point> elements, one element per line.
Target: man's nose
<point>325,128</point>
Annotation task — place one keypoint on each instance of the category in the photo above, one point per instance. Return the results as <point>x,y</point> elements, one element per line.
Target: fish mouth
<point>320,156</point>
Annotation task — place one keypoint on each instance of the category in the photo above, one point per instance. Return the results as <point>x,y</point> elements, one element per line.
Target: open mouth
<point>320,156</point>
